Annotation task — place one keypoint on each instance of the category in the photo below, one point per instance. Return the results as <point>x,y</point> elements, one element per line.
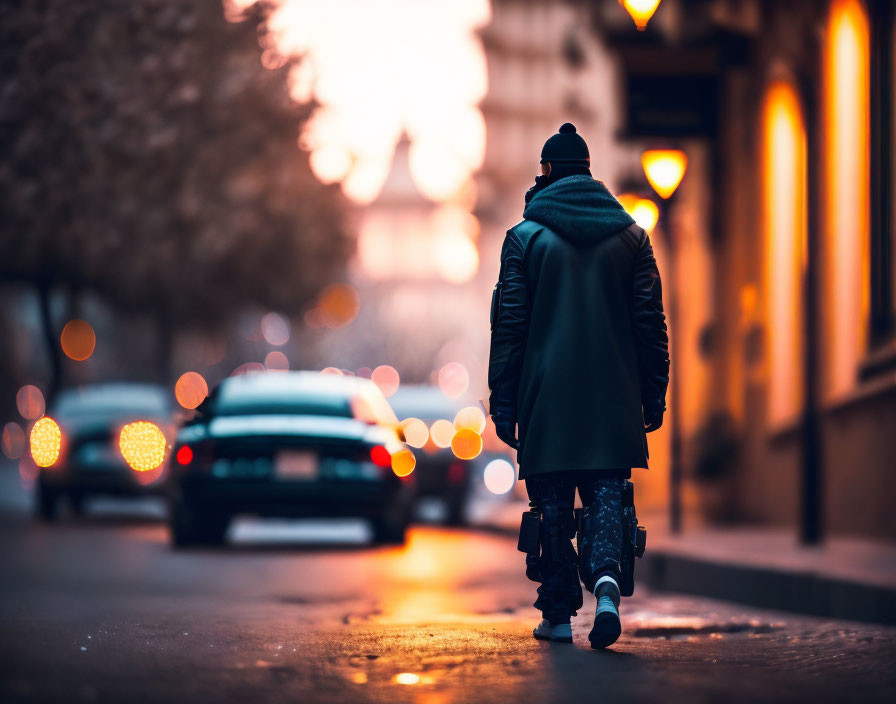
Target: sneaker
<point>561,633</point>
<point>607,626</point>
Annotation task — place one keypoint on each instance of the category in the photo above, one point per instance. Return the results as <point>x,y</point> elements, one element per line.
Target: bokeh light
<point>30,402</point>
<point>499,476</point>
<point>403,463</point>
<point>143,445</point>
<point>456,257</point>
<point>386,378</point>
<point>415,432</point>
<point>408,678</point>
<point>664,169</point>
<point>335,371</point>
<point>276,361</point>
<point>190,390</point>
<point>454,379</point>
<point>441,432</point>
<point>470,417</point>
<point>78,339</point>
<point>466,444</point>
<point>13,441</point>
<point>248,368</point>
<point>643,210</point>
<point>45,441</point>
<point>338,305</point>
<point>275,329</point>
<point>640,10</point>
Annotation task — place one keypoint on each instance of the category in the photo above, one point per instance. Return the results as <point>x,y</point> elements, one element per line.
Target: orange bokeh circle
<point>78,339</point>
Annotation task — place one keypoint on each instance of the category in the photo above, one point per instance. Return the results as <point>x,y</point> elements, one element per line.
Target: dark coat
<point>578,332</point>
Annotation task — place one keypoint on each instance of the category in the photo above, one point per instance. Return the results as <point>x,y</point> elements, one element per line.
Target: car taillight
<point>380,456</point>
<point>195,457</point>
<point>184,455</point>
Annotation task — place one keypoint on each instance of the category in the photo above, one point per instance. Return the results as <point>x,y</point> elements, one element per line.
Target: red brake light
<point>184,455</point>
<point>380,456</point>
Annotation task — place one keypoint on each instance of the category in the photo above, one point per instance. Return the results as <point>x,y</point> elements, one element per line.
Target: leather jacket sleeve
<point>510,328</point>
<point>649,326</point>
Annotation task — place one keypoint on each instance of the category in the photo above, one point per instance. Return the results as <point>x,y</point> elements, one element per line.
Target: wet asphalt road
<point>102,610</point>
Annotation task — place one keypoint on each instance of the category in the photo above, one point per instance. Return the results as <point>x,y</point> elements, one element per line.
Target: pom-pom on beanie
<point>566,147</point>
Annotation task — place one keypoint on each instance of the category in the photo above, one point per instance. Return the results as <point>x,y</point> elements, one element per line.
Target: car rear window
<point>112,401</point>
<point>263,396</point>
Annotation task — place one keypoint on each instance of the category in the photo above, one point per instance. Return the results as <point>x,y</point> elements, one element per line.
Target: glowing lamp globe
<point>640,10</point>
<point>643,210</point>
<point>664,169</point>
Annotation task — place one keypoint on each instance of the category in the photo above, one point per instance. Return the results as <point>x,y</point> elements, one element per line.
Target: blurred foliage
<point>148,156</point>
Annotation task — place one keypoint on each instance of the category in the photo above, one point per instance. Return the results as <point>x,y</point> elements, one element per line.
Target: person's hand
<point>653,414</point>
<point>505,427</point>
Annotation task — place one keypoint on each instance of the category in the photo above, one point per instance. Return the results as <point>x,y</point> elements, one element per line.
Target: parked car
<point>90,462</point>
<point>290,444</point>
<point>440,474</point>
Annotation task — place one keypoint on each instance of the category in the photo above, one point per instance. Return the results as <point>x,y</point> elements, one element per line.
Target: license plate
<point>296,465</point>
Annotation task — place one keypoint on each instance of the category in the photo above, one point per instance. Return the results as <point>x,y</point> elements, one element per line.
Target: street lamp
<point>643,210</point>
<point>664,169</point>
<point>641,11</point>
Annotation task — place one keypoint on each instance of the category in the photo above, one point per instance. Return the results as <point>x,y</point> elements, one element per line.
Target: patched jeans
<point>600,543</point>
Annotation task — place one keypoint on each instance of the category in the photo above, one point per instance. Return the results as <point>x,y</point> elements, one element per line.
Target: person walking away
<point>578,370</point>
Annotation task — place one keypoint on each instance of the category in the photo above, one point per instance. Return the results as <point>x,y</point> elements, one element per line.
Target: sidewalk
<point>845,578</point>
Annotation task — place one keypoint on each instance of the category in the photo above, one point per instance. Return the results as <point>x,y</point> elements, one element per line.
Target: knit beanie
<point>567,148</point>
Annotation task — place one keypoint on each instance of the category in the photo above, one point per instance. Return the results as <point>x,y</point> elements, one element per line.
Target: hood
<point>579,209</point>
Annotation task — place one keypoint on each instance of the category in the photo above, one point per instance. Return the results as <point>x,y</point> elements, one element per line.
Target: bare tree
<point>148,156</point>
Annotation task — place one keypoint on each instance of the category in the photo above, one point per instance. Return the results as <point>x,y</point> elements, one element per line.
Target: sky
<point>379,69</point>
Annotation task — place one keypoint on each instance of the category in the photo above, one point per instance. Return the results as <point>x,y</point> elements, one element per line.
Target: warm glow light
<point>415,432</point>
<point>664,169</point>
<point>456,258</point>
<point>847,187</point>
<point>190,389</point>
<point>407,678</point>
<point>442,432</point>
<point>470,417</point>
<point>275,329</point>
<point>466,444</point>
<point>30,402</point>
<point>386,378</point>
<point>335,371</point>
<point>338,305</point>
<point>78,339</point>
<point>13,441</point>
<point>640,10</point>
<point>454,379</point>
<point>276,361</point>
<point>142,445</point>
<point>359,677</point>
<point>644,211</point>
<point>499,476</point>
<point>784,230</point>
<point>45,441</point>
<point>403,463</point>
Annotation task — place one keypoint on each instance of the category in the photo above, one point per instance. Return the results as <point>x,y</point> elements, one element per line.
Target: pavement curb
<point>801,592</point>
<point>798,591</point>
